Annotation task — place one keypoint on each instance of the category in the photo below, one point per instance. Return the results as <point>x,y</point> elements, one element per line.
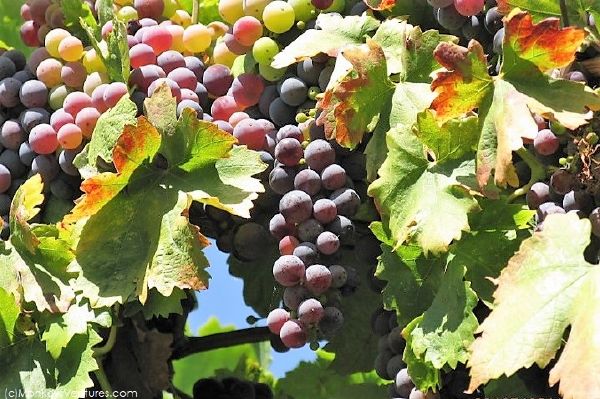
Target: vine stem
<point>112,338</point>
<point>538,172</point>
<point>564,13</point>
<point>221,340</point>
<point>195,11</point>
<point>103,379</point>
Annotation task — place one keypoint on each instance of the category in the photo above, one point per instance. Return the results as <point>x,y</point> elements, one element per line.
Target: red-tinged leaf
<point>544,44</point>
<point>136,146</point>
<point>380,5</point>
<point>464,84</point>
<point>353,106</point>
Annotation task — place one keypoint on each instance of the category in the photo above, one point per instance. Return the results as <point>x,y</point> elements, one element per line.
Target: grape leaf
<point>63,328</point>
<point>412,283</point>
<point>334,34</point>
<point>138,216</point>
<point>506,101</point>
<point>447,328</point>
<point>541,9</point>
<point>408,50</point>
<point>161,111</point>
<point>24,207</point>
<point>9,313</point>
<point>327,384</point>
<point>32,372</point>
<point>453,140</point>
<point>421,202</point>
<point>76,13</point>
<point>108,129</point>
<point>354,104</point>
<point>523,329</point>
<point>422,373</point>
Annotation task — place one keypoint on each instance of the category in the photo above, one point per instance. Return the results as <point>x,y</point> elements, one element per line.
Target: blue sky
<point>224,299</point>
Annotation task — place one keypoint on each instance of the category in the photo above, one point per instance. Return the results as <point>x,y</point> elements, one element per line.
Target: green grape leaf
<point>453,140</point>
<point>108,129</point>
<point>506,102</point>
<point>208,12</point>
<point>353,106</point>
<point>34,262</point>
<point>334,34</point>
<point>76,14</point>
<point>325,383</point>
<point>161,111</point>
<point>542,9</point>
<point>30,371</point>
<point>26,205</point>
<point>117,59</point>
<point>523,329</point>
<point>62,329</point>
<point>408,50</point>
<point>9,313</point>
<point>357,310</point>
<point>186,371</point>
<point>422,373</point>
<point>421,202</point>
<point>139,215</point>
<point>412,281</point>
<point>447,328</point>
<point>400,113</point>
<point>160,305</point>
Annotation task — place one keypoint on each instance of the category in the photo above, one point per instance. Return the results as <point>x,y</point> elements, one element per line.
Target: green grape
<point>255,8</point>
<point>264,50</point>
<point>303,9</point>
<point>269,73</point>
<point>127,14</point>
<point>243,64</point>
<point>279,16</point>
<point>57,96</point>
<point>337,6</point>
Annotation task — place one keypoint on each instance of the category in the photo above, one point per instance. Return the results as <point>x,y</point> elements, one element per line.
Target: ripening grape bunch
<point>231,387</point>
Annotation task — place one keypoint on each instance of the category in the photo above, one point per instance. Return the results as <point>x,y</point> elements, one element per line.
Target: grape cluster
<point>39,18</point>
<point>231,388</point>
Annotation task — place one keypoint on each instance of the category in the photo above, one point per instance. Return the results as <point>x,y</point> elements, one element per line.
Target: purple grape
<point>276,319</point>
<point>333,177</point>
<point>324,210</point>
<point>279,227</point>
<point>310,311</point>
<point>281,179</point>
<point>339,276</point>
<point>595,221</point>
<point>9,92</point>
<point>332,320</point>
<point>308,181</point>
<point>307,252</point>
<point>317,279</point>
<point>346,201</point>
<point>289,152</point>
<point>291,132</point>
<point>12,136</point>
<point>561,182</point>
<point>293,296</point>
<point>309,230</point>
<point>295,206</point>
<point>328,243</point>
<point>546,142</point>
<point>537,194</point>
<point>293,334</point>
<point>319,154</point>
<point>288,270</point>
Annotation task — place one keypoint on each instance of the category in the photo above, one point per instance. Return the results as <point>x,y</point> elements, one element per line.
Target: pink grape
<point>75,102</point>
<point>5,179</point>
<point>223,107</point>
<point>289,152</point>
<point>237,117</point>
<point>287,245</point>
<point>276,319</point>
<point>185,78</point>
<point>247,88</point>
<point>545,142</point>
<point>29,34</point>
<point>310,311</point>
<point>73,74</point>
<point>144,76</point>
<point>69,136</point>
<point>171,60</point>
<point>42,139</point>
<point>247,30</point>
<point>317,279</point>
<point>469,7</point>
<point>288,270</point>
<point>293,334</point>
<point>217,79</point>
<point>86,120</point>
<point>141,54</point>
<point>107,29</point>
<point>159,38</point>
<point>187,94</point>
<point>113,93</point>
<point>234,46</point>
<point>98,98</point>
<point>60,118</point>
<point>250,133</point>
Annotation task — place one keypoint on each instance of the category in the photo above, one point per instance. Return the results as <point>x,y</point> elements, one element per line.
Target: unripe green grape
<point>171,7</point>
<point>303,9</point>
<point>264,50</point>
<point>255,8</point>
<point>57,96</point>
<point>279,16</point>
<point>127,14</point>
<point>269,73</point>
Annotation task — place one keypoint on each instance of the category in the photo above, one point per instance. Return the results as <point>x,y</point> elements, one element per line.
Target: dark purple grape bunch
<point>231,387</point>
<point>312,225</point>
